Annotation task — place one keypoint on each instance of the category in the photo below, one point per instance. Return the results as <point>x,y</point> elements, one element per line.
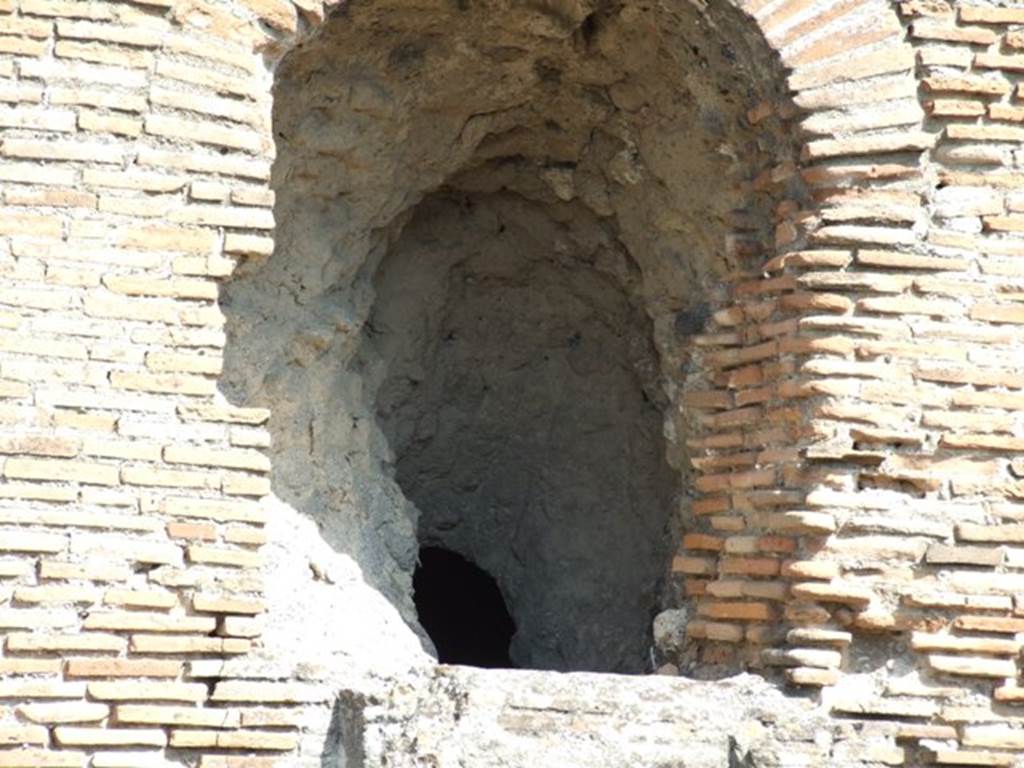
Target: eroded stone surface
<point>522,404</point>
<point>457,716</point>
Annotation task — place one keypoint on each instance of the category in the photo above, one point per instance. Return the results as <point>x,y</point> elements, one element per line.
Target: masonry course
<point>852,427</point>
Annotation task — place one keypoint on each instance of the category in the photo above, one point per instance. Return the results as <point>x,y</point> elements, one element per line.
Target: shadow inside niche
<point>462,609</point>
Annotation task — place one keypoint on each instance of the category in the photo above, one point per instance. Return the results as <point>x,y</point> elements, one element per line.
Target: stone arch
<point>761,362</point>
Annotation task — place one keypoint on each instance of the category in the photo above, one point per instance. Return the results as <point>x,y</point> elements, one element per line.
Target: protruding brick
<point>109,737</point>
<point>64,712</point>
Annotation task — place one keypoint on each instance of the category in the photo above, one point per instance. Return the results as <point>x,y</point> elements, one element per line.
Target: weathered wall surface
<point>859,519</point>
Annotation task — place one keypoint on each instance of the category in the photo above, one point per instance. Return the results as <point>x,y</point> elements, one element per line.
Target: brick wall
<point>860,524</point>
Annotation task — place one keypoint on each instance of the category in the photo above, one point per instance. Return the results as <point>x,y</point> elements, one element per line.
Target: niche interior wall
<point>837,381</point>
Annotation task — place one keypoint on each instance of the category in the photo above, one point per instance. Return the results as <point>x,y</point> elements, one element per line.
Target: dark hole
<point>461,608</point>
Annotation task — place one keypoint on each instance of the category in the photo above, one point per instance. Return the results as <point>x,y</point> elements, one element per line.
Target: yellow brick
<point>230,557</point>
<point>69,712</point>
<point>234,740</point>
<point>69,9</point>
<point>192,531</point>
<point>212,47</point>
<point>37,492</point>
<point>100,53</point>
<point>259,717</point>
<point>110,497</point>
<point>13,569</point>
<point>184,645</point>
<point>231,458</point>
<point>217,604</point>
<point>148,622</point>
<point>121,449</point>
<point>253,195</point>
<point>175,287</point>
<point>208,190</point>
<point>269,693</point>
<point>30,666</point>
<point>58,275</point>
<point>204,163</point>
<point>236,484</point>
<point>117,124</point>
<point>14,92</point>
<point>214,509</point>
<point>281,15</point>
<point>169,478</point>
<point>184,363</point>
<point>205,132</point>
<point>96,571</point>
<point>123,668</point>
<point>65,470</point>
<point>215,106</point>
<point>84,30</point>
<point>14,222</point>
<point>32,149</point>
<point>171,715</point>
<point>150,206</point>
<point>249,437</point>
<point>972,666</point>
<point>28,173</point>
<point>39,689</point>
<point>166,238</point>
<point>26,541</point>
<point>132,690</point>
<point>39,119</point>
<point>38,758</point>
<point>12,25</point>
<point>134,179</point>
<point>248,245</point>
<point>244,534</point>
<point>164,383</point>
<point>232,761</point>
<point>225,413</point>
<point>999,736</point>
<point>109,737</point>
<point>141,598</point>
<point>26,344</point>
<point>123,548</point>
<point>57,594</point>
<point>982,14</point>
<point>22,735</point>
<point>925,641</point>
<point>239,626</point>
<point>224,216</point>
<point>208,78</point>
<point>92,422</point>
<point>71,517</point>
<point>22,46</point>
<point>87,641</point>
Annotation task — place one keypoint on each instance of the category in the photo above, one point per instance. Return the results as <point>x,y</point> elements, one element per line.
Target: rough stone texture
<point>461,716</point>
<point>850,400</point>
<point>522,428</point>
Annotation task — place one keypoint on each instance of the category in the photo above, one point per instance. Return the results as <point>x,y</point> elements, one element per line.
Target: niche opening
<point>498,228</point>
<point>462,610</point>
